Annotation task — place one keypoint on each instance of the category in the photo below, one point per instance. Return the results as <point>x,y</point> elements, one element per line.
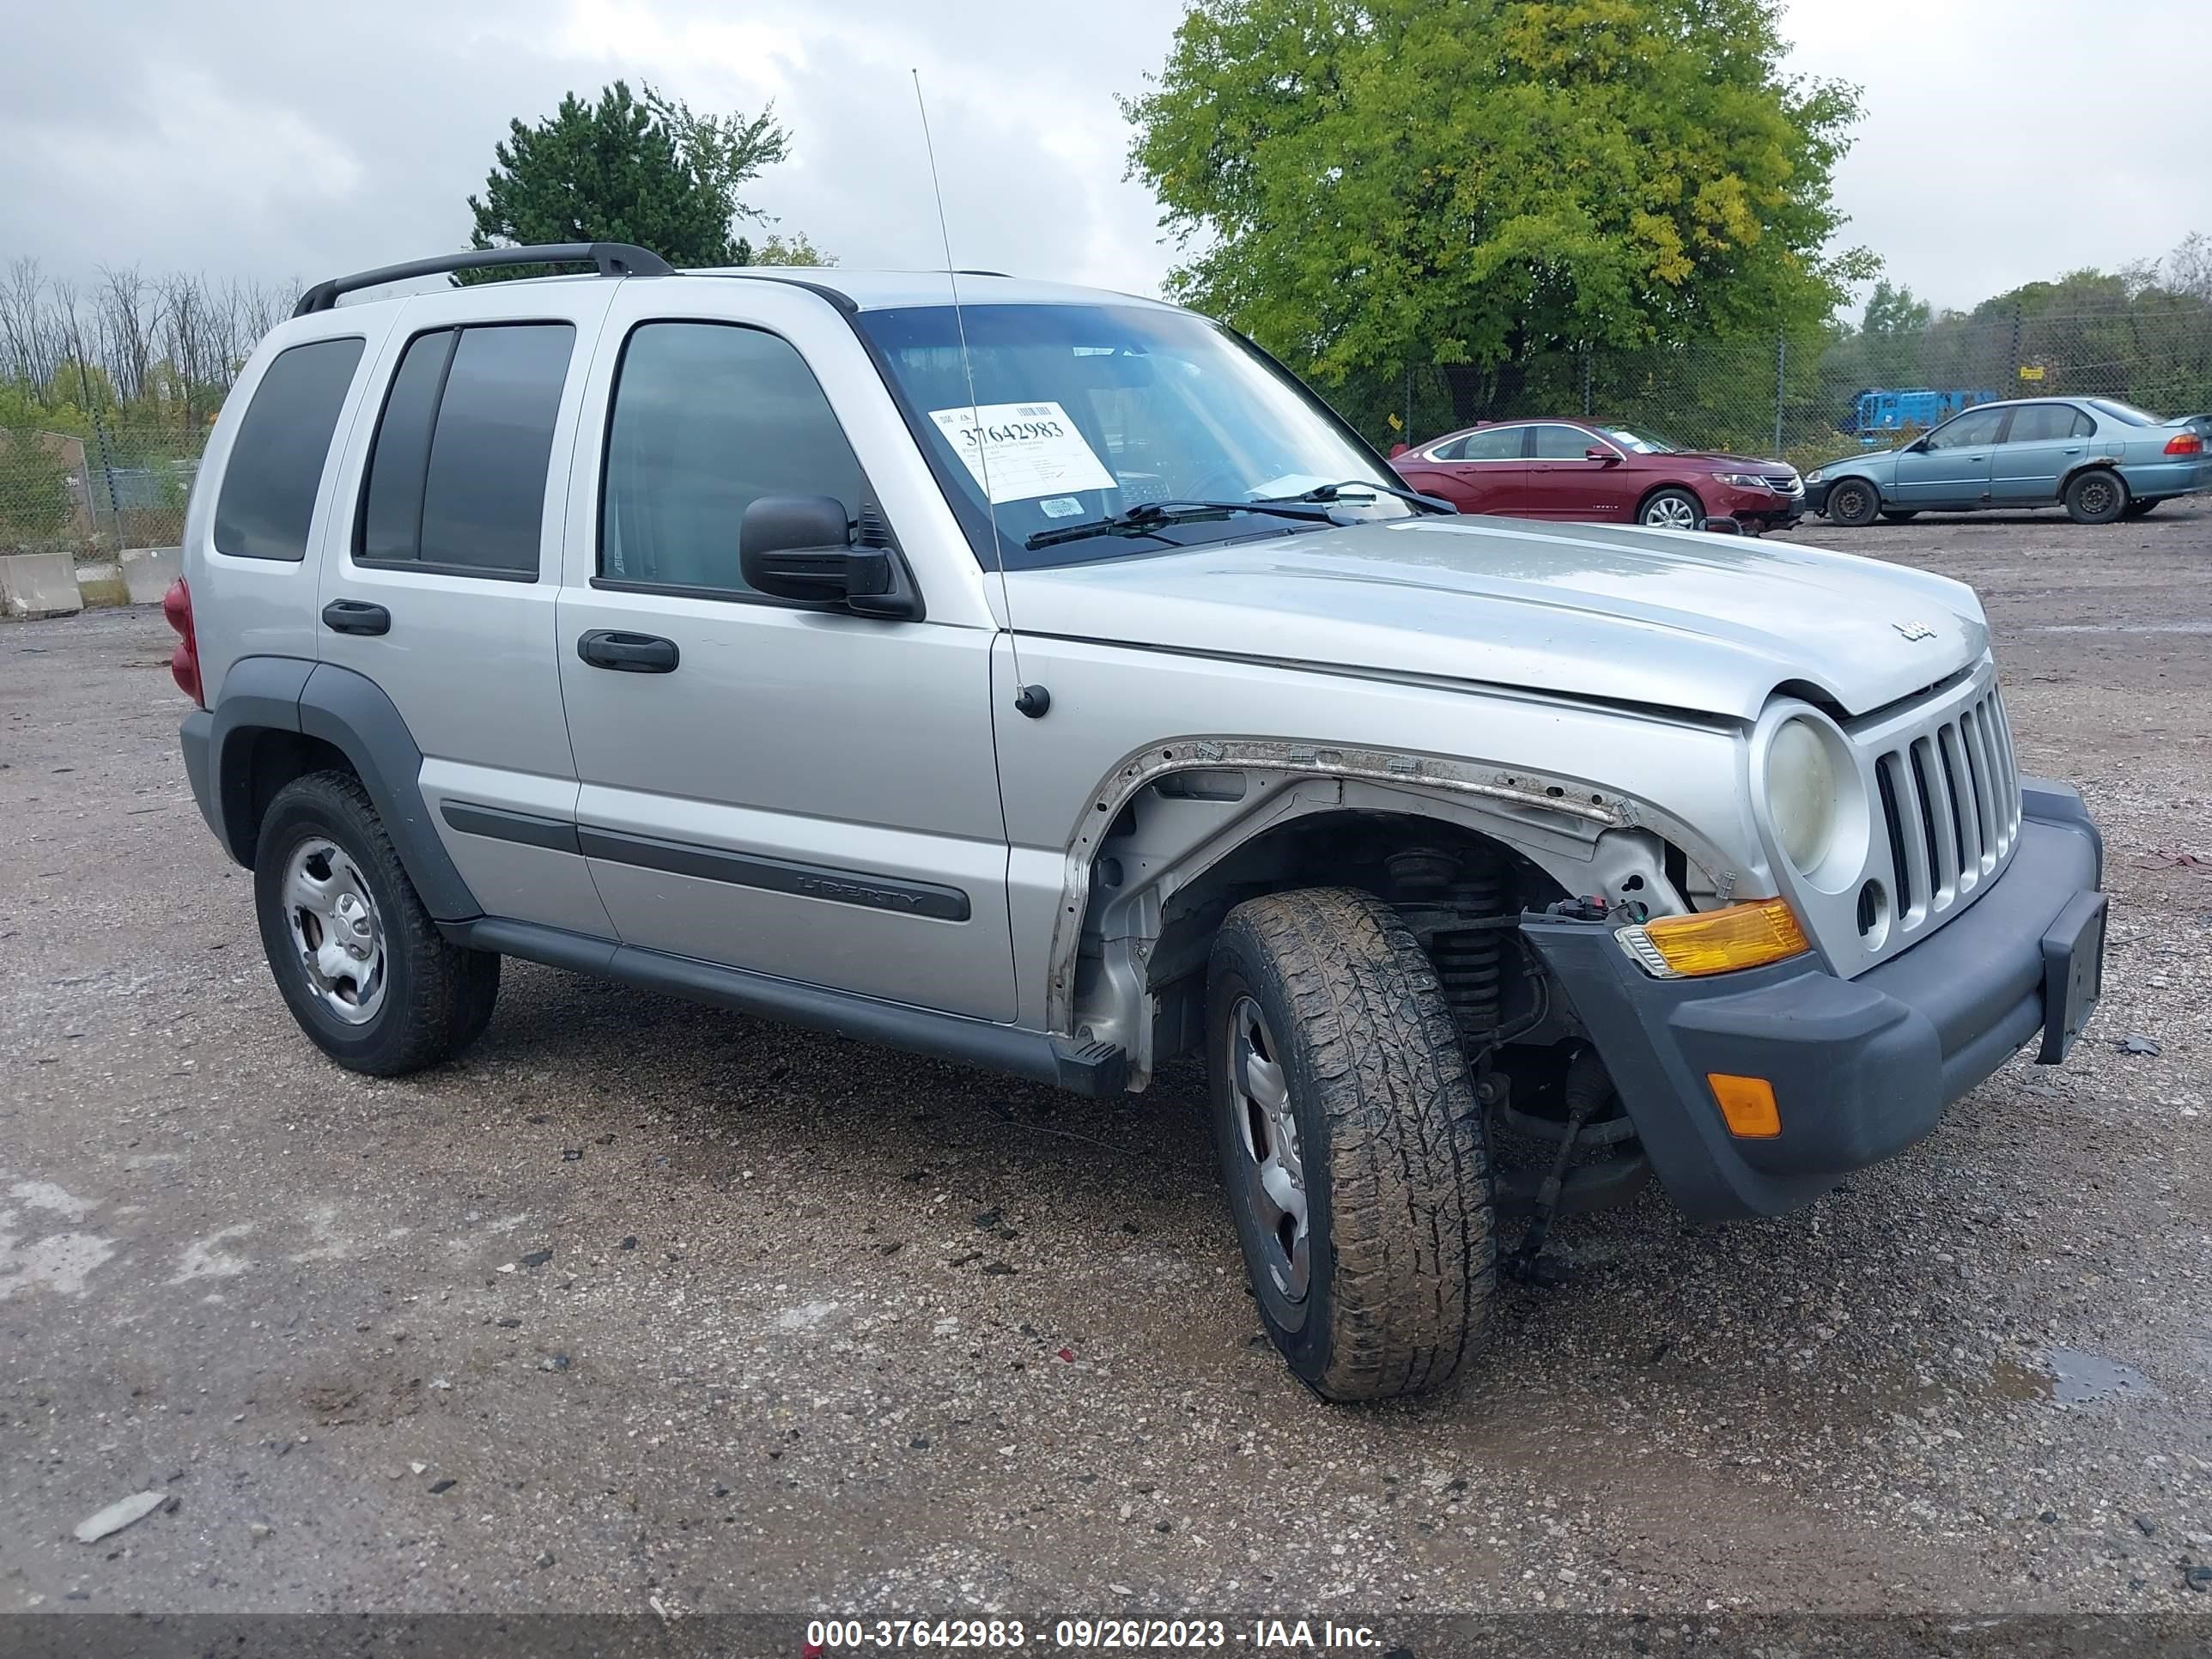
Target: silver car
<point>1046,679</point>
<point>2099,458</point>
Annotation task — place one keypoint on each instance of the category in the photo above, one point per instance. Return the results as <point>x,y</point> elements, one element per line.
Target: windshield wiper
<point>1335,492</point>
<point>1147,516</point>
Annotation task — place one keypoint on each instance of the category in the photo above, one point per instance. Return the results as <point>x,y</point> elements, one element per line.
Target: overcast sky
<point>2005,140</point>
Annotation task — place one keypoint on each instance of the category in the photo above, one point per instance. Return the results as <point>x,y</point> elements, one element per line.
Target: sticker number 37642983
<point>1018,451</point>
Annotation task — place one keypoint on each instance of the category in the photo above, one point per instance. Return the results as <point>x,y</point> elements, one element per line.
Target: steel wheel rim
<point>1671,512</point>
<point>2097,496</point>
<point>1264,1133</point>
<point>1849,503</point>
<point>335,930</point>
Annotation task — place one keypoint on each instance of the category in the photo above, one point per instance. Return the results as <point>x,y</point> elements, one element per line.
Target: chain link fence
<point>125,485</point>
<point>1806,401</point>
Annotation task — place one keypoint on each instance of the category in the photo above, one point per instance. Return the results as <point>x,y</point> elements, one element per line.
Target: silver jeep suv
<point>1046,679</point>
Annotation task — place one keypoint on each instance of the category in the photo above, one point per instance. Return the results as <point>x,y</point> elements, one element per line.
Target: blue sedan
<point>2099,458</point>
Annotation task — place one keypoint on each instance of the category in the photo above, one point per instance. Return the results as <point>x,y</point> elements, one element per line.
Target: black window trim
<point>333,447</point>
<point>605,584</point>
<point>427,566</point>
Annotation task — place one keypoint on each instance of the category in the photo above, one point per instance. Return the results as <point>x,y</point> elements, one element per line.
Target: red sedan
<point>1594,472</point>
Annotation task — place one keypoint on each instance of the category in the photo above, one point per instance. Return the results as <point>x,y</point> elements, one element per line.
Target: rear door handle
<point>356,617</point>
<point>628,653</point>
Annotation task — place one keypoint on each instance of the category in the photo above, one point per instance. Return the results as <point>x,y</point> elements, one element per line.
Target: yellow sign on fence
<point>2031,371</point>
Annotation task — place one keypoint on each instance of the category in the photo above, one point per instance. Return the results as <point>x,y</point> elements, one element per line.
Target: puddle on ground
<point>2067,1376</point>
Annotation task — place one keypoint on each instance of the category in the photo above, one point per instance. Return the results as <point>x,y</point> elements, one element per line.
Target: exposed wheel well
<point>259,768</point>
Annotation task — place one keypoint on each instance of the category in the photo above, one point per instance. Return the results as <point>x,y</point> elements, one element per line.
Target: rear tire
<point>358,960</point>
<point>2095,495</point>
<point>1670,509</point>
<point>1853,502</point>
<point>1350,1145</point>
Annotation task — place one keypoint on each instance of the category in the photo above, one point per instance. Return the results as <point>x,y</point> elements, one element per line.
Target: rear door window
<point>1495,444</point>
<point>276,468</point>
<point>2043,424</point>
<point>457,478</point>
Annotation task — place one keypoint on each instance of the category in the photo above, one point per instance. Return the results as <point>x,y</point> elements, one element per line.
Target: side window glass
<point>2083,426</point>
<point>457,479</point>
<point>1978,427</point>
<point>2036,424</point>
<point>708,418</point>
<point>275,467</point>
<point>1562,443</point>
<point>1454,451</point>
<point>1496,444</point>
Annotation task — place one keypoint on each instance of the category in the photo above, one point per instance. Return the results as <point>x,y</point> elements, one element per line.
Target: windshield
<point>2120,411</point>
<point>1083,412</point>
<point>1640,443</point>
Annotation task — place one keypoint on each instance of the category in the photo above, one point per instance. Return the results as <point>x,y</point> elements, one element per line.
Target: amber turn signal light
<point>1716,941</point>
<point>1748,1103</point>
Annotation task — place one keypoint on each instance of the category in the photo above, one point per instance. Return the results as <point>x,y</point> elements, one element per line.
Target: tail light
<point>185,661</point>
<point>2185,443</point>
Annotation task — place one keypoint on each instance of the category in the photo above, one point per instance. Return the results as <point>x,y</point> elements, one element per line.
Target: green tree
<point>644,170</point>
<point>1364,184</point>
<point>792,250</point>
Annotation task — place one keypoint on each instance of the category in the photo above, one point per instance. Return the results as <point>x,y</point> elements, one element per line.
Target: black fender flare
<point>350,711</point>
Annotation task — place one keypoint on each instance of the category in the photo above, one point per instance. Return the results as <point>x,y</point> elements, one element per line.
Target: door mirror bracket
<point>801,548</point>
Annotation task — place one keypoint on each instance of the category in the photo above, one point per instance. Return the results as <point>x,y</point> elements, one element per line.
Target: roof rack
<point>612,259</point>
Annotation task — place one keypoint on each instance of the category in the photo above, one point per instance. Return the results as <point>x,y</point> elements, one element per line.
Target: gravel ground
<point>645,1307</point>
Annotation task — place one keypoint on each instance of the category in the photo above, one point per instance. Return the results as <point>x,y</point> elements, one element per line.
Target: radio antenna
<point>1030,700</point>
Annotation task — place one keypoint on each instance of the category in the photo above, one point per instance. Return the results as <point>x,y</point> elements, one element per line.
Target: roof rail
<point>612,258</point>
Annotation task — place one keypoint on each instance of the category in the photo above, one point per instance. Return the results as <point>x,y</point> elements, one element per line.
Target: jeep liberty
<point>1051,681</point>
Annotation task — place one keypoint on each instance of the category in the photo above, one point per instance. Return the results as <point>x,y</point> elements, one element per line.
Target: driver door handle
<point>628,653</point>
<point>356,617</point>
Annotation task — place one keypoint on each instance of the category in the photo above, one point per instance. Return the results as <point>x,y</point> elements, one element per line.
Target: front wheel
<point>1350,1143</point>
<point>2096,496</point>
<point>1853,502</point>
<point>2136,509</point>
<point>1671,509</point>
<point>1893,515</point>
<point>358,960</point>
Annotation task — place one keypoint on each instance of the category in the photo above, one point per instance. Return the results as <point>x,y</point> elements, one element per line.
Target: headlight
<point>1742,480</point>
<point>1813,476</point>
<point>1801,792</point>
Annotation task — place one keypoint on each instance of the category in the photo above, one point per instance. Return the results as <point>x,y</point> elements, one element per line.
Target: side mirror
<point>1598,452</point>
<point>1720,526</point>
<point>800,547</point>
<point>1396,450</point>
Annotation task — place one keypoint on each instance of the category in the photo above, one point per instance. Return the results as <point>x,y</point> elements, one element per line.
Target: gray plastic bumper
<point>1861,1069</point>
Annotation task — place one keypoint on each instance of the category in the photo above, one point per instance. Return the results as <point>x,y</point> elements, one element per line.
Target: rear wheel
<point>1854,501</point>
<point>361,965</point>
<point>2096,496</point>
<point>1350,1144</point>
<point>2136,509</point>
<point>1671,509</point>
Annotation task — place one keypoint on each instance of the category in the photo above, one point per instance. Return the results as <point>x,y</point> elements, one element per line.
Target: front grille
<point>1949,795</point>
<point>1784,483</point>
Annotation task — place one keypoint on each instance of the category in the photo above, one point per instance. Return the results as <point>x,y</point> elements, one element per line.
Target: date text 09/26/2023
<point>825,1636</point>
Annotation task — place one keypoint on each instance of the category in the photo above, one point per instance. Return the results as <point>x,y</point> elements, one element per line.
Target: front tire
<point>1894,515</point>
<point>2137,508</point>
<point>2095,496</point>
<point>358,960</point>
<point>1350,1145</point>
<point>1853,502</point>
<point>1670,509</point>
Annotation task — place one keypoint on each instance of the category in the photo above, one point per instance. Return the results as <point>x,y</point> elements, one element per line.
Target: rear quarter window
<point>267,503</point>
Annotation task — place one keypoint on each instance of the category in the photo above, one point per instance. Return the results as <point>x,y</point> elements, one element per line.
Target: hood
<point>1678,619</point>
<point>1725,463</point>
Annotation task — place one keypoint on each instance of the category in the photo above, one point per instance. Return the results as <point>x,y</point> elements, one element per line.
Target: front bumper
<point>1770,507</point>
<point>1861,1069</point>
<point>1816,496</point>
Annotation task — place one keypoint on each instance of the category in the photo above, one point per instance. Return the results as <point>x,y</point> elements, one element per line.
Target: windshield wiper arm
<point>1334,492</point>
<point>1147,516</point>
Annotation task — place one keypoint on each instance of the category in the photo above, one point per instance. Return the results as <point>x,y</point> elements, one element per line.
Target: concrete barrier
<point>39,585</point>
<point>148,572</point>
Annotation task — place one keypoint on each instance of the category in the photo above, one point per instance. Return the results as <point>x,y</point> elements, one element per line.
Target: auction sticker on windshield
<point>1018,451</point>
